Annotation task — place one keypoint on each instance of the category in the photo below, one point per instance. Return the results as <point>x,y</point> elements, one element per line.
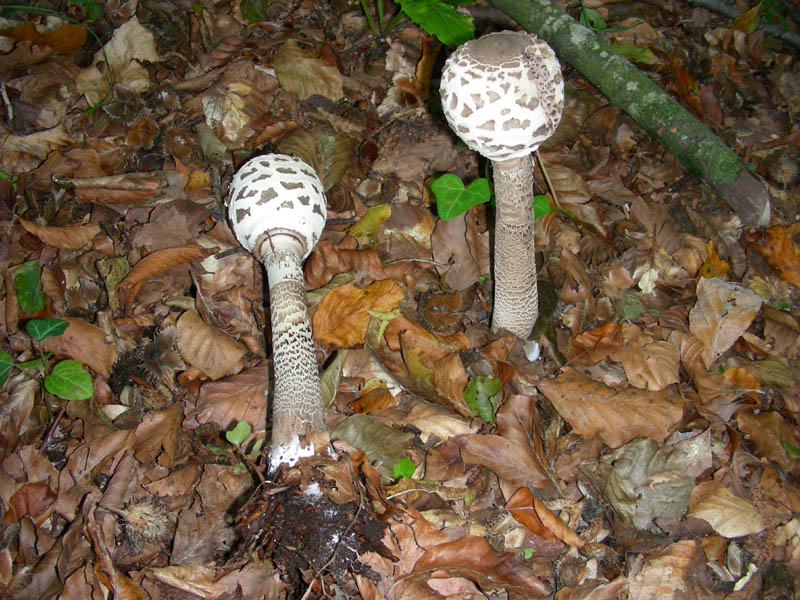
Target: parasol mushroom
<point>503,95</point>
<point>277,210</point>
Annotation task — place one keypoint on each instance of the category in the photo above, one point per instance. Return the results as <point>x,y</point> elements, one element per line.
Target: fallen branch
<point>693,144</point>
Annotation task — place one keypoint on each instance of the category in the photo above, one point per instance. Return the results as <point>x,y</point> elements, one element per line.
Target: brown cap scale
<point>277,210</point>
<point>503,95</point>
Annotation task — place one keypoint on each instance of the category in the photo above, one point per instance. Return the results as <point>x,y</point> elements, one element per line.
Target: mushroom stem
<point>297,400</point>
<point>516,298</point>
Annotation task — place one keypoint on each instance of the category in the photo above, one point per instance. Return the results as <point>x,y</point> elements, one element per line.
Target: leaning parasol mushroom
<point>277,210</point>
<point>503,95</point>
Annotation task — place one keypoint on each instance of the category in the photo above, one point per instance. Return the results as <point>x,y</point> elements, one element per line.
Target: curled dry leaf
<point>39,144</point>
<point>649,364</point>
<point>615,415</point>
<point>306,76</point>
<point>157,263</point>
<point>85,343</point>
<point>342,316</point>
<point>214,353</point>
<point>473,558</point>
<point>195,580</point>
<point>73,237</point>
<point>531,512</point>
<point>723,312</point>
<point>457,250</point>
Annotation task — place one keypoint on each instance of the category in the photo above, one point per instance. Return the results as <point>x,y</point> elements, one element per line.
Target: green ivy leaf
<point>69,380</point>
<point>6,362</point>
<point>440,19</point>
<point>40,329</point>
<point>479,396</point>
<point>453,199</point>
<point>404,467</point>
<point>239,433</point>
<point>541,206</point>
<point>28,288</point>
<point>791,449</point>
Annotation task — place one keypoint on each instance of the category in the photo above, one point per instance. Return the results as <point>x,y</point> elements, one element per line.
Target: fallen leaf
<point>211,351</point>
<point>306,76</point>
<point>722,313</point>
<point>728,515</point>
<point>342,316</point>
<point>615,415</point>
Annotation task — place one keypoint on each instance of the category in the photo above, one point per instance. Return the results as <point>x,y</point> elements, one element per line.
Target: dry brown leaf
<point>196,580</point>
<point>327,260</point>
<point>510,461</point>
<point>328,152</point>
<point>531,512</point>
<point>73,237</point>
<point>306,76</point>
<point>729,515</point>
<point>211,351</point>
<point>85,343</point>
<point>242,397</point>
<point>157,263</point>
<point>769,431</point>
<point>723,312</point>
<point>473,558</point>
<point>66,38</point>
<point>615,415</point>
<point>665,574</point>
<point>456,258</point>
<point>130,45</point>
<point>651,366</point>
<point>341,318</point>
<point>778,247</point>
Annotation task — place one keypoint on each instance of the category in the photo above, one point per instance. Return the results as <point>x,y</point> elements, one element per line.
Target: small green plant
<point>437,17</point>
<point>404,467</point>
<point>68,379</point>
<point>454,199</point>
<point>236,437</point>
<point>11,179</point>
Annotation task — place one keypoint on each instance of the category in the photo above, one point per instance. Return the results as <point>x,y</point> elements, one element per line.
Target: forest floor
<point>650,450</point>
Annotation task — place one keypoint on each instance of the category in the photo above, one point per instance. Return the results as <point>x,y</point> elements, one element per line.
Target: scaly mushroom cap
<point>276,195</point>
<point>503,94</point>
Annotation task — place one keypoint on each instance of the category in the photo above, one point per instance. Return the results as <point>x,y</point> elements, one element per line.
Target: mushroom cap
<point>503,94</point>
<point>276,195</point>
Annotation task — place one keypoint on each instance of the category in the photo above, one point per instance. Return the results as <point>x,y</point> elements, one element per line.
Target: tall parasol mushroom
<point>503,95</point>
<point>277,210</point>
